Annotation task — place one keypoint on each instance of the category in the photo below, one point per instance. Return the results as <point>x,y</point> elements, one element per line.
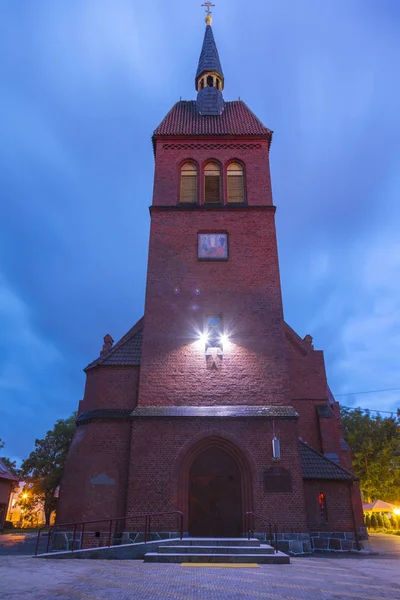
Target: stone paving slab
<point>304,579</point>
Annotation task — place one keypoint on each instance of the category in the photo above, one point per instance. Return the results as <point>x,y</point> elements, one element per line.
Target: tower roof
<point>209,59</point>
<point>237,119</point>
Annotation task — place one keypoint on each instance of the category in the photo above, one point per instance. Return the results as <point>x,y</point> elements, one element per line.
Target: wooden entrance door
<point>215,495</point>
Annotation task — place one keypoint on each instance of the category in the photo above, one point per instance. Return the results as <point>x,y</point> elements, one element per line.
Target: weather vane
<point>208,5</point>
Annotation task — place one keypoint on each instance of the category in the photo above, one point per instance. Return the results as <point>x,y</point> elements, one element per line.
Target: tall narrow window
<point>211,184</point>
<point>323,512</point>
<point>235,183</point>
<point>188,183</point>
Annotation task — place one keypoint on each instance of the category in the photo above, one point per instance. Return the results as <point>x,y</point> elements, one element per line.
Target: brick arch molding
<point>186,458</point>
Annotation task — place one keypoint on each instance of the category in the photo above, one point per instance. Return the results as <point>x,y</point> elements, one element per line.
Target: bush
<point>368,521</point>
<point>374,523</point>
<point>386,522</point>
<point>379,520</point>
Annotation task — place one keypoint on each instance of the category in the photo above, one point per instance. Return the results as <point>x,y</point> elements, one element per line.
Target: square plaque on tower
<point>212,246</point>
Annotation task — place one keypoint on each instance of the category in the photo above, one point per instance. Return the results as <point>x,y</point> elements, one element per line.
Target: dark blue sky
<point>84,83</point>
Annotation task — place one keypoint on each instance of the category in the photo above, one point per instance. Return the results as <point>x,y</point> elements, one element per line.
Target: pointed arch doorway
<point>215,495</point>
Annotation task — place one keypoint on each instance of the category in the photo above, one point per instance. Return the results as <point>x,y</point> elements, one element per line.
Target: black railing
<point>79,527</point>
<point>273,533</point>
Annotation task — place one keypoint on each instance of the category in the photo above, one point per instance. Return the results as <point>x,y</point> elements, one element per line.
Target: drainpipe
<point>356,536</point>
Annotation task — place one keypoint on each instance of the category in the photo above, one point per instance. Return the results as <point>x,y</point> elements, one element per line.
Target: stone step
<point>170,549</point>
<point>157,557</point>
<point>188,541</point>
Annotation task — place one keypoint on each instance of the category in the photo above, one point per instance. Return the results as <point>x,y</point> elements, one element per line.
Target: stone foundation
<point>339,541</point>
<point>295,544</point>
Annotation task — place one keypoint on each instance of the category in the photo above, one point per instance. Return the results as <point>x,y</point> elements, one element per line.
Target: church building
<point>211,404</point>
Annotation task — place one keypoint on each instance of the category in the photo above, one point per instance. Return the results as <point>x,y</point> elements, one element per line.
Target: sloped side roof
<point>209,59</point>
<point>316,466</point>
<point>236,119</point>
<point>5,472</point>
<point>126,352</point>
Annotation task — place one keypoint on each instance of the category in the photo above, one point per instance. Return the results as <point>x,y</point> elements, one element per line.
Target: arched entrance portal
<point>215,495</point>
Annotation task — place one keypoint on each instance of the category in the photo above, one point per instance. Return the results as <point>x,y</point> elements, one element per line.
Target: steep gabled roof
<point>236,119</point>
<point>126,352</point>
<point>209,59</point>
<point>316,466</point>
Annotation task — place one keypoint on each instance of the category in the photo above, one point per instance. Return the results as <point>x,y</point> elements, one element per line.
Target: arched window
<point>235,183</point>
<point>211,184</point>
<point>188,183</point>
<point>323,512</point>
<point>210,81</point>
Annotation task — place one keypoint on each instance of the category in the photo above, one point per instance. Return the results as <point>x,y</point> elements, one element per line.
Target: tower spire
<point>209,79</point>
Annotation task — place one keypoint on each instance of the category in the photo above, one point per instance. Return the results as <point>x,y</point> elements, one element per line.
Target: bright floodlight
<point>224,338</point>
<point>204,337</point>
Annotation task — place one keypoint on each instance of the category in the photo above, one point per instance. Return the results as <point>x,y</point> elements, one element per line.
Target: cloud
<point>25,355</point>
<point>370,336</point>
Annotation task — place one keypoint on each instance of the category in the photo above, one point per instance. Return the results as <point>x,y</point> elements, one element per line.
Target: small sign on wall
<point>212,246</point>
<point>277,479</point>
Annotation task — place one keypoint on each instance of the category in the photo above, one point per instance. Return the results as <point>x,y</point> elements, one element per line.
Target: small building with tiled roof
<point>8,481</point>
<point>211,404</point>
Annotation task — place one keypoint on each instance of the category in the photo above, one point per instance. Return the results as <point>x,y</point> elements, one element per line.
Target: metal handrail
<point>147,527</point>
<point>271,525</point>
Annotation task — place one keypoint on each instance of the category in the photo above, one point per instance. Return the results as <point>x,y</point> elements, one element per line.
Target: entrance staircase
<point>216,550</point>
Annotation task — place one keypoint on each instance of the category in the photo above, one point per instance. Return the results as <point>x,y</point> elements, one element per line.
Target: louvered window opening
<point>235,183</point>
<point>188,183</point>
<point>211,184</point>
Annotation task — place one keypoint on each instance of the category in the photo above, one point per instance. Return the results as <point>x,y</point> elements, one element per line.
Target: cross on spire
<point>208,6</point>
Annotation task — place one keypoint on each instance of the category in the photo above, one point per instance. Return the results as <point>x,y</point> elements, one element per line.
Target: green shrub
<point>374,523</point>
<point>386,522</point>
<point>379,520</point>
<point>368,521</point>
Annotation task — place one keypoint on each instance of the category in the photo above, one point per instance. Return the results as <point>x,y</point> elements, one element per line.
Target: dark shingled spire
<point>209,59</point>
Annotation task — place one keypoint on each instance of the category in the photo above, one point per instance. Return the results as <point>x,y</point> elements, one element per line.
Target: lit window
<point>211,184</point>
<point>323,513</point>
<point>235,183</point>
<point>188,183</point>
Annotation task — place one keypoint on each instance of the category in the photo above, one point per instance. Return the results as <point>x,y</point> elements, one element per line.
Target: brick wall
<point>99,452</point>
<point>181,291</point>
<point>110,387</point>
<point>158,475</point>
<point>252,153</point>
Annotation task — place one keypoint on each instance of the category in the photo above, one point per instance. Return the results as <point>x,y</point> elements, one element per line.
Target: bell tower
<point>213,326</point>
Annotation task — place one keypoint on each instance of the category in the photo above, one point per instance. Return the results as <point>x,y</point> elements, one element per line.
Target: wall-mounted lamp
<point>276,448</point>
<point>213,335</point>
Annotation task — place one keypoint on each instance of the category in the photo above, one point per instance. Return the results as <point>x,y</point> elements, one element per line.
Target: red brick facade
<point>124,460</point>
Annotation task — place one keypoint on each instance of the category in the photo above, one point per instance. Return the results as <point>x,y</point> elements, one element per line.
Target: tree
<point>43,468</point>
<point>375,446</point>
<point>368,521</point>
<point>374,523</point>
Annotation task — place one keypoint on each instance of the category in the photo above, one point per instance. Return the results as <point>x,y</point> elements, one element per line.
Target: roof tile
<point>236,119</point>
<point>316,466</point>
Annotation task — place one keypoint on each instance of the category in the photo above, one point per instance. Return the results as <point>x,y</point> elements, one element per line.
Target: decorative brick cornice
<point>103,413</point>
<point>200,146</point>
<point>204,207</point>
<point>239,411</point>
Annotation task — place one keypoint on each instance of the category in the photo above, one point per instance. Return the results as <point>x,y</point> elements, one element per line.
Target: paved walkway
<point>316,578</point>
<point>386,545</point>
<point>304,579</point>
